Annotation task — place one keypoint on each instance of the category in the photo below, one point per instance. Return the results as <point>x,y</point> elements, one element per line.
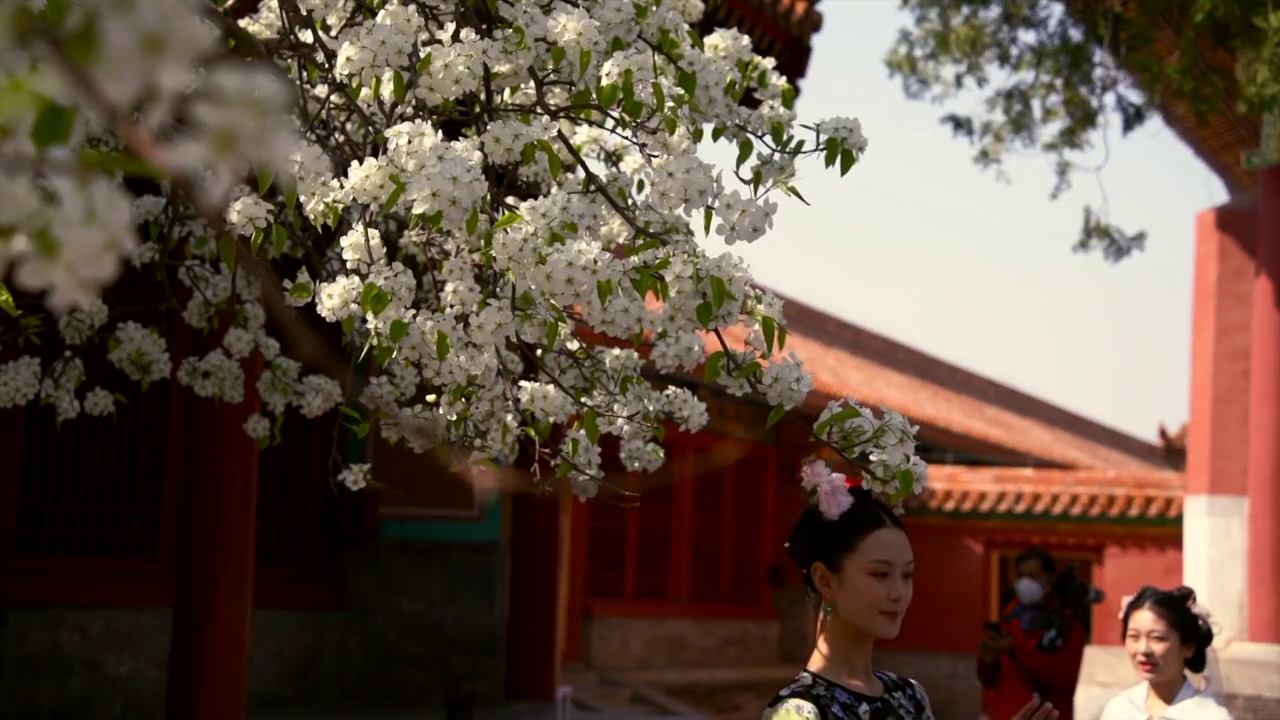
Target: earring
<point>826,609</point>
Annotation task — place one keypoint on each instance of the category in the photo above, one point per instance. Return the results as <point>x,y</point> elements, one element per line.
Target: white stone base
<point>1215,532</point>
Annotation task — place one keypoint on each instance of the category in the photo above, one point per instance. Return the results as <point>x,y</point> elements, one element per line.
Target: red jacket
<point>1028,669</point>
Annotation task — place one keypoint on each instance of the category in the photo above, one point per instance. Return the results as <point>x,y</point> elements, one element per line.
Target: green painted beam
<point>484,530</point>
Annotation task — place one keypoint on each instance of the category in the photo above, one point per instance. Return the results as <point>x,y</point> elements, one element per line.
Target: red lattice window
<point>92,490</point>
<point>88,496</point>
<point>88,509</point>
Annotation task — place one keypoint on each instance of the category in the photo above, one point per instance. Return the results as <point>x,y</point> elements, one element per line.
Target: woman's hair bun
<point>815,539</point>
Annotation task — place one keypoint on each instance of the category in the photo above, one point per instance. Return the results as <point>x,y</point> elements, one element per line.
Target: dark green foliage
<point>1053,74</point>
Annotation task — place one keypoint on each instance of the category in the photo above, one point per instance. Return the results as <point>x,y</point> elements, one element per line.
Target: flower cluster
<point>888,444</point>
<point>467,191</point>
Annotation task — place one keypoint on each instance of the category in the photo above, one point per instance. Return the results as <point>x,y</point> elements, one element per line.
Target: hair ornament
<point>829,490</point>
<point>1198,610</point>
<point>1124,604</point>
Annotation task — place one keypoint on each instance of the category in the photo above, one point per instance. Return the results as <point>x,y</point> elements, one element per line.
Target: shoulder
<point>1128,705</point>
<point>799,699</point>
<point>1199,707</point>
<point>908,691</point>
<point>792,709</point>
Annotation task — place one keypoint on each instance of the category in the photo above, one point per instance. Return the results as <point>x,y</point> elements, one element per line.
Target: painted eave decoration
<point>1072,495</point>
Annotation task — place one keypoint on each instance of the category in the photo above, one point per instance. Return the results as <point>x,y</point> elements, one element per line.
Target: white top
<point>1190,704</point>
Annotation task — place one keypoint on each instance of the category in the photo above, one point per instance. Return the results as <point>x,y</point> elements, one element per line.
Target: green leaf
<point>846,161</point>
<point>383,354</point>
<point>553,333</point>
<point>707,216</point>
<point>745,148</point>
<point>705,313</point>
<point>396,193</point>
<point>659,97</point>
<point>640,282</point>
<point>400,90</point>
<point>557,54</point>
<point>768,326</point>
<point>788,97</point>
<point>227,251</point>
<point>837,417</point>
<point>748,370</point>
<point>506,221</point>
<point>255,242</point>
<point>719,292</point>
<point>553,160</point>
<point>473,222</point>
<point>775,415</point>
<point>398,330</point>
<point>791,190</point>
<point>301,290</point>
<point>442,345</point>
<point>671,124</point>
<point>584,62</point>
<point>778,133</point>
<point>6,301</point>
<point>348,325</point>
<point>350,413</point>
<point>604,288</point>
<point>608,94</point>
<point>265,178</point>
<point>782,338</point>
<point>279,238</point>
<point>833,152</point>
<point>591,425</point>
<point>53,126</point>
<point>688,82</point>
<point>374,299</point>
<point>715,364</point>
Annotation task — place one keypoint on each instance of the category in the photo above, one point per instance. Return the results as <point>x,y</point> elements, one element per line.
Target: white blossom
<point>355,476</point>
<point>506,269</point>
<point>98,402</point>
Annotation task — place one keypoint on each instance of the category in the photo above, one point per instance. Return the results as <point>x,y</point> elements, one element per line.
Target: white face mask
<point>1028,591</point>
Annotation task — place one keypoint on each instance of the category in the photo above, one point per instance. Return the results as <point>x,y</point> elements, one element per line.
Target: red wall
<point>947,610</point>
<point>953,581</point>
<point>1125,568</point>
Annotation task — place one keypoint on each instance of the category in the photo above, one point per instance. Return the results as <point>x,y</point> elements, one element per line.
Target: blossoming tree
<point>466,188</point>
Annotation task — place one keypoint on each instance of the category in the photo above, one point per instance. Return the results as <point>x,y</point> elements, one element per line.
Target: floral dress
<point>813,697</point>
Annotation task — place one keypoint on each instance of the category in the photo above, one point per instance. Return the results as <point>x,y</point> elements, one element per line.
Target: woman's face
<point>873,588</point>
<point>1155,648</point>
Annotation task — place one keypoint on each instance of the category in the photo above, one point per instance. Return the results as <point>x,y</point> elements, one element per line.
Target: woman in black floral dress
<point>856,558</point>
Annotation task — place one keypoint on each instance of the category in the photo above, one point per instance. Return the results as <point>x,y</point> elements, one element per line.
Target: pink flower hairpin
<point>830,489</point>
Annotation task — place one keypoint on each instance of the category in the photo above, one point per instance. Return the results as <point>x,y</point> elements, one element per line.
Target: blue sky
<point>918,244</point>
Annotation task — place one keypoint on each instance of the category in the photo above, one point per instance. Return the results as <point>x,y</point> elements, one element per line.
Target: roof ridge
<point>827,329</point>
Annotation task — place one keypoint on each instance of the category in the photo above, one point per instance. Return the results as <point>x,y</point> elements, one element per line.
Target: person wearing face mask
<point>1166,635</point>
<point>1035,649</point>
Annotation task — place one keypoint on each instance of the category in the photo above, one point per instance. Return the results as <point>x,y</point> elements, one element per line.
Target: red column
<point>1264,421</point>
<point>1215,515</point>
<point>533,633</point>
<point>213,601</point>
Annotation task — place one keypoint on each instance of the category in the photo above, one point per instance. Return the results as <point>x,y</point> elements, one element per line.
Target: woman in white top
<point>1166,635</point>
